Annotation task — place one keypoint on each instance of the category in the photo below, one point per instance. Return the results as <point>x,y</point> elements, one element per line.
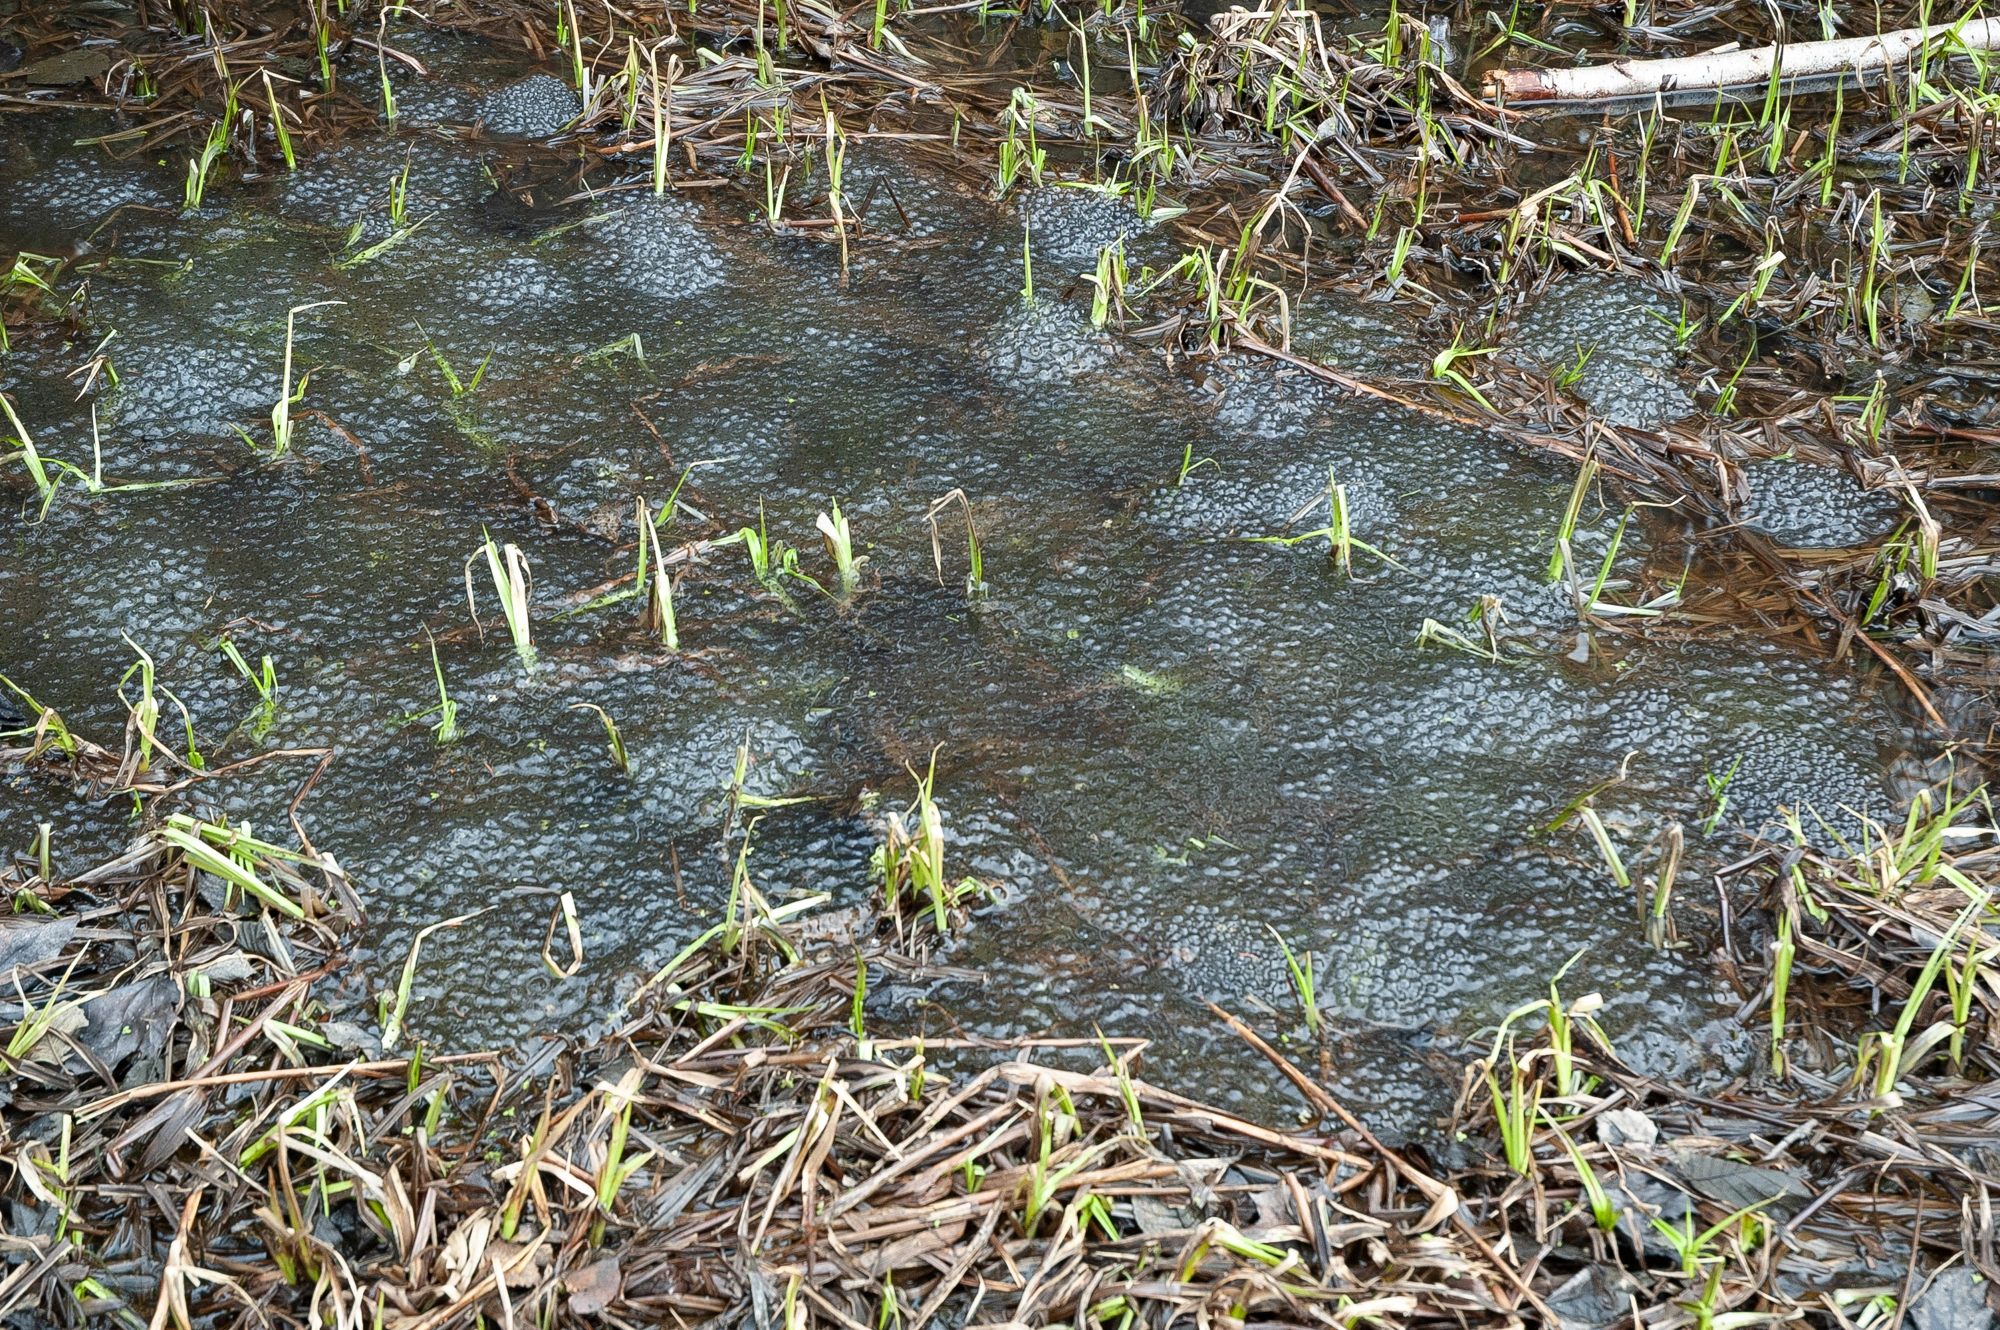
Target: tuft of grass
<point>631,344</point>
<point>1301,972</point>
<point>194,758</point>
<point>509,568</point>
<point>662,100</point>
<point>616,1168</point>
<point>380,247</point>
<point>910,858</point>
<point>232,854</point>
<point>48,727</point>
<point>1559,558</point>
<point>1515,1104</point>
<point>1604,847</point>
<point>264,680</point>
<point>382,67</point>
<point>771,560</point>
<point>1190,464</point>
<point>1893,1052</point>
<point>459,387</point>
<point>399,190</point>
<point>1489,613</point>
<point>840,547</point>
<point>566,911</point>
<point>278,124</point>
<point>36,1022</point>
<point>1444,368</point>
<point>1339,531</point>
<point>144,713</point>
<point>1027,260</point>
<point>1718,794</point>
<point>447,730</point>
<point>1108,283</point>
<point>857,1018</point>
<point>1602,1211</point>
<point>1783,952</point>
<point>659,610</point>
<point>201,163</point>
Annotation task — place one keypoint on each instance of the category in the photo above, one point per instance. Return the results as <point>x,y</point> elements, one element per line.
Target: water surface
<point>1160,742</point>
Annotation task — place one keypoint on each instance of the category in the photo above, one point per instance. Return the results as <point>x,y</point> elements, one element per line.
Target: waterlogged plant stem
<point>29,457</point>
<point>1605,847</point>
<point>281,413</point>
<point>619,758</point>
<point>1659,924</point>
<point>663,582</point>
<point>393,1008</point>
<point>975,577</point>
<point>1782,954</point>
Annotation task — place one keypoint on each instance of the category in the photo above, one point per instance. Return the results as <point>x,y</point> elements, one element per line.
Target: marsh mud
<point>1160,744</point>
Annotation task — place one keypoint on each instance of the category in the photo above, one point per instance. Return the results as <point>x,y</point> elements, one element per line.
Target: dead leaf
<point>79,66</point>
<point>520,1273</point>
<point>594,1287</point>
<point>908,1251</point>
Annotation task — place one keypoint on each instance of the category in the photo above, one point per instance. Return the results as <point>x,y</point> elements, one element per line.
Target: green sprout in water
<point>48,727</point>
<point>910,859</point>
<point>1783,952</point>
<point>1027,261</point>
<point>399,190</point>
<point>202,163</point>
<point>1718,794</point>
<point>145,712</point>
<point>1605,847</point>
<point>509,568</point>
<point>1444,368</point>
<point>1301,971</point>
<point>1191,464</point>
<point>1559,558</point>
<point>619,757</point>
<point>1659,923</point>
<point>44,484</point>
<point>771,560</point>
<point>840,547</point>
<point>459,388</point>
<point>659,605</point>
<point>1339,532</point>
<point>265,682</point>
<point>857,1021</point>
<point>1568,375</point>
<point>281,413</point>
<point>278,124</point>
<point>446,710</point>
<point>1490,613</point>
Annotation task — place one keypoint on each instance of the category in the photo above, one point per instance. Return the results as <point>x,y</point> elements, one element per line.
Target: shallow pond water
<point>1162,742</point>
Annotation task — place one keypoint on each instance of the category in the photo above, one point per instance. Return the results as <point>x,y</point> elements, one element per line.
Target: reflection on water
<point>1164,741</point>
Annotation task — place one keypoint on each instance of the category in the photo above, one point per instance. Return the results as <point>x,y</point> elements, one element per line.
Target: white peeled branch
<point>1859,56</point>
